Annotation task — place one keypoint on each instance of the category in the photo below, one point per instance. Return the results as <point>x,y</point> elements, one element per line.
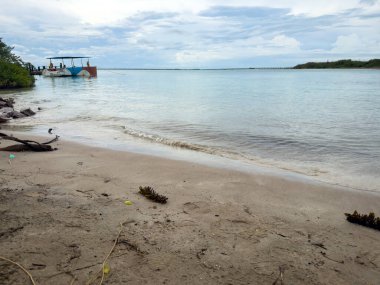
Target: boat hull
<point>88,71</point>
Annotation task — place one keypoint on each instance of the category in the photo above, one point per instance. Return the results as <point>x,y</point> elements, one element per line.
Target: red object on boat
<point>91,69</point>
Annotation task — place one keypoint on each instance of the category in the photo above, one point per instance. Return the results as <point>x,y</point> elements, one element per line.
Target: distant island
<point>344,63</point>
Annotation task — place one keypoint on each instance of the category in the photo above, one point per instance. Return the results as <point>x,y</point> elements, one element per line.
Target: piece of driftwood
<point>149,193</point>
<point>27,145</point>
<point>369,220</point>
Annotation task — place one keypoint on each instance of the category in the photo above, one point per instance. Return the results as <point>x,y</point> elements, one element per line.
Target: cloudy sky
<point>192,33</point>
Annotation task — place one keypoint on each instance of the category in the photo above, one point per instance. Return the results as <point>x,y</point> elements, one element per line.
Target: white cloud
<point>348,43</point>
<point>353,44</point>
<point>111,11</point>
<point>322,7</point>
<point>119,9</point>
<point>175,33</point>
<point>285,42</point>
<point>243,48</point>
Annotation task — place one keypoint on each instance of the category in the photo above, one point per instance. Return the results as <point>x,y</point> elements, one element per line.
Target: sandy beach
<point>61,213</point>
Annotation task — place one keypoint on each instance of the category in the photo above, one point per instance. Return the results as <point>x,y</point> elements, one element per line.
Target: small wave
<point>173,143</point>
<point>222,152</point>
<point>319,174</point>
<point>79,118</point>
<point>41,101</point>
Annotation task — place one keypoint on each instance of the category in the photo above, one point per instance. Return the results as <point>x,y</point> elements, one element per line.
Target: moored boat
<point>63,71</point>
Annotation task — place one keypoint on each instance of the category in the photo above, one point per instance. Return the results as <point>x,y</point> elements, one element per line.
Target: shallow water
<point>320,123</point>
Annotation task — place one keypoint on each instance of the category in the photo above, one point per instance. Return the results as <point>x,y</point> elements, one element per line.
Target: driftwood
<point>27,145</point>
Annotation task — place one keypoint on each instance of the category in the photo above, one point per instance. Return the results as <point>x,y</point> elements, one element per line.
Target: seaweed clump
<point>369,220</point>
<point>149,193</point>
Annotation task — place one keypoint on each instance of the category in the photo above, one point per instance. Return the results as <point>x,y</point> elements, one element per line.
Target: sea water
<point>323,124</point>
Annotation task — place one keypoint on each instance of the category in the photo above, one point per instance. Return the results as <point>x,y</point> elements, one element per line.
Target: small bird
<point>50,130</point>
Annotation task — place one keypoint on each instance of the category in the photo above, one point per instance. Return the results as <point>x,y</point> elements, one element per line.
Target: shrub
<point>13,75</point>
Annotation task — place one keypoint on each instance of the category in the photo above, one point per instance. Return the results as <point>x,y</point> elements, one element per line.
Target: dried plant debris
<point>369,220</point>
<point>149,193</point>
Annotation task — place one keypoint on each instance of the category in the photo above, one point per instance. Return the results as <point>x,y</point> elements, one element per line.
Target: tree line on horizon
<point>13,71</point>
<point>344,63</point>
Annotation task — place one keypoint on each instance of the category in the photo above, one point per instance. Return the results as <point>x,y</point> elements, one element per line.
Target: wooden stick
<point>105,260</point>
<point>23,268</point>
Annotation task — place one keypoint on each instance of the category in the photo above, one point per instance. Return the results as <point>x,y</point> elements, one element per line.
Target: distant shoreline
<point>243,68</point>
<point>340,64</point>
<point>232,68</point>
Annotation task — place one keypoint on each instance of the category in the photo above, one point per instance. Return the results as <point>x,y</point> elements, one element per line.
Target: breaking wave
<point>173,143</point>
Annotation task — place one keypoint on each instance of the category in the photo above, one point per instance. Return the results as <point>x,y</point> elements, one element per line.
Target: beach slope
<point>61,213</point>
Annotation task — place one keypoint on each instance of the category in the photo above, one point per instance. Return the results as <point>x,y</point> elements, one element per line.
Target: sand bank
<point>60,214</point>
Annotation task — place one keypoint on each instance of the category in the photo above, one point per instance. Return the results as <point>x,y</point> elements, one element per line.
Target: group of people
<point>64,65</point>
<point>51,66</point>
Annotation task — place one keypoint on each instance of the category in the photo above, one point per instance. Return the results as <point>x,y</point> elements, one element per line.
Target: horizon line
<point>222,68</point>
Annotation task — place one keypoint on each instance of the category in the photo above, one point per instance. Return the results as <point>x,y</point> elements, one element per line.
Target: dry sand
<point>60,215</point>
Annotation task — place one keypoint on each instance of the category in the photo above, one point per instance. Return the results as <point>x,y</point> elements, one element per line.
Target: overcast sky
<point>192,33</point>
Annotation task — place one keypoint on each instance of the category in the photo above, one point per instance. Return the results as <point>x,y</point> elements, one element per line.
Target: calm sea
<point>320,123</point>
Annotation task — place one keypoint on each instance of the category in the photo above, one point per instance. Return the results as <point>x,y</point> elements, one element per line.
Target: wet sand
<point>61,212</point>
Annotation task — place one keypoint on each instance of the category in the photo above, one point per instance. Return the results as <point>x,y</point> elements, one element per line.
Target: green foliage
<point>6,54</point>
<point>373,63</point>
<point>344,63</point>
<point>13,74</point>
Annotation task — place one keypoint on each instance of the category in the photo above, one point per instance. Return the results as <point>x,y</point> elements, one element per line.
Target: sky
<point>192,33</point>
